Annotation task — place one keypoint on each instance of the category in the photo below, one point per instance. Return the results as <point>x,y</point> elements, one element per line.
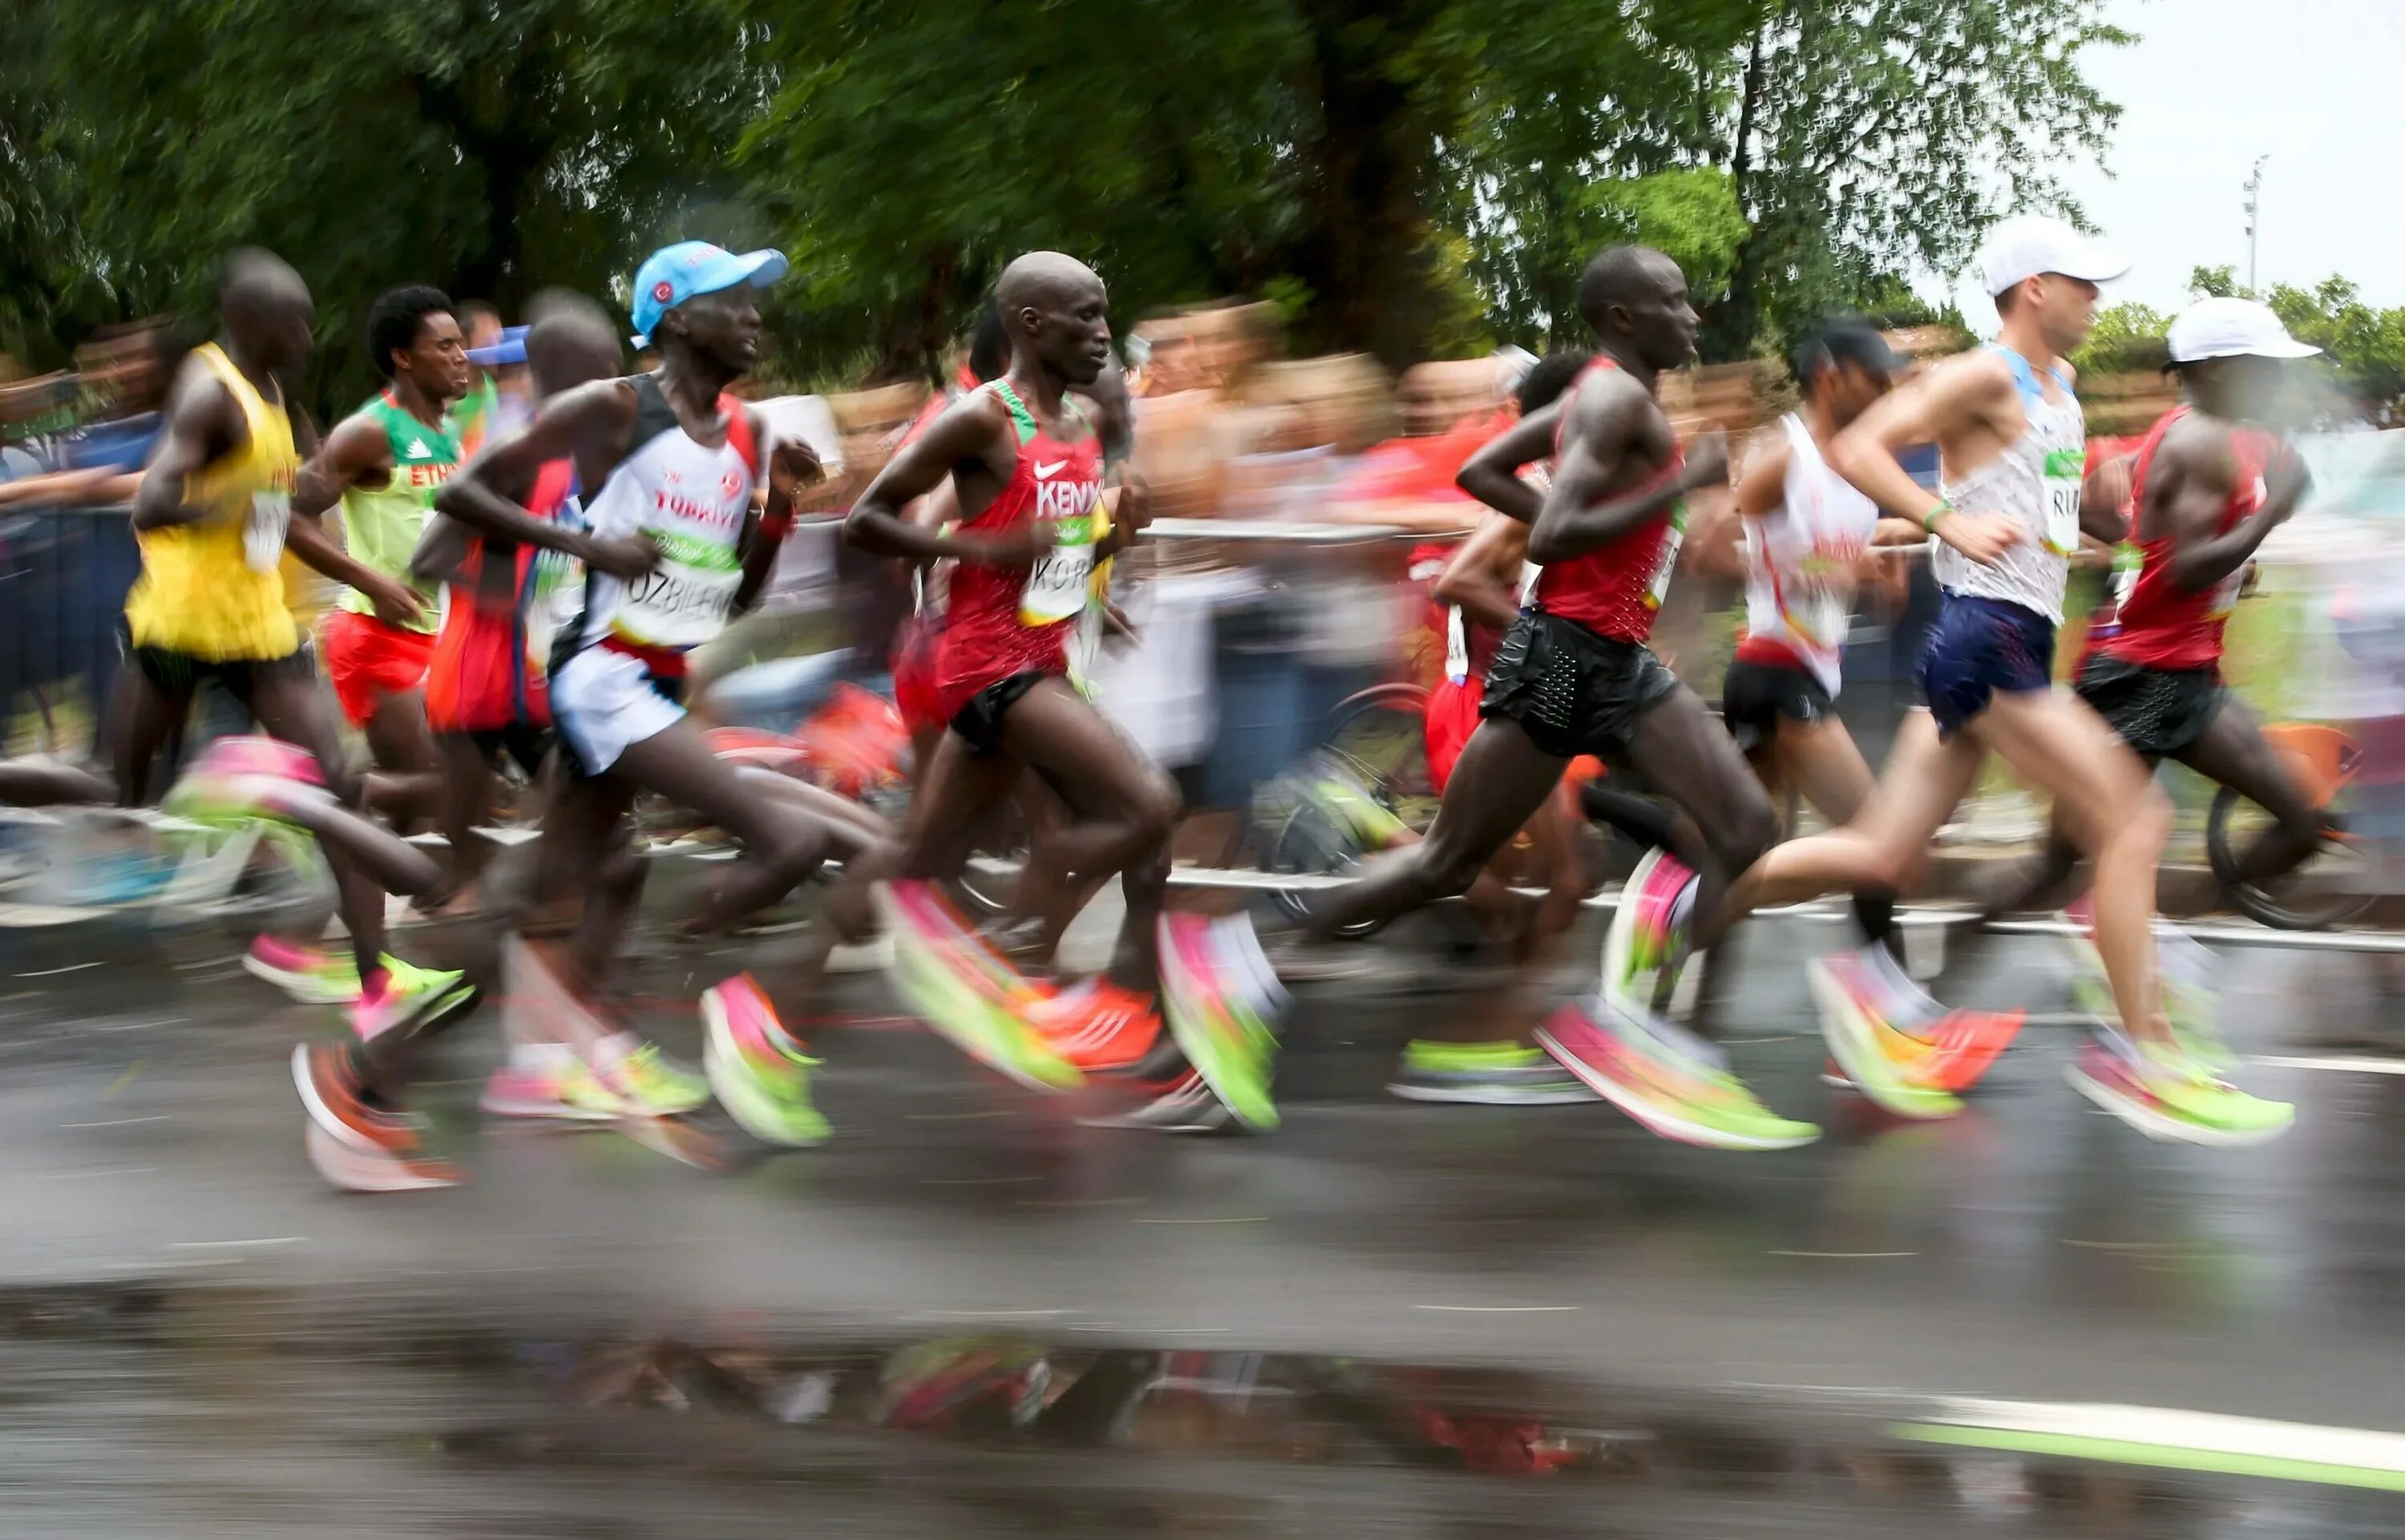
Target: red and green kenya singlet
<point>1005,621</point>
<point>1616,589</point>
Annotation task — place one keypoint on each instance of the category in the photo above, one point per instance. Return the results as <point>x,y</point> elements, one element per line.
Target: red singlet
<point>1615,589</point>
<point>985,641</point>
<point>2155,622</point>
<point>478,679</point>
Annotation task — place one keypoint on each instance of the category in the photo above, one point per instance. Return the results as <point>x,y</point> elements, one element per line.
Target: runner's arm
<point>1492,472</point>
<point>2101,497</point>
<point>1930,410</point>
<point>358,449</point>
<point>590,424</point>
<point>967,430</point>
<point>202,424</point>
<point>1579,511</point>
<point>1475,578</point>
<point>2188,505</point>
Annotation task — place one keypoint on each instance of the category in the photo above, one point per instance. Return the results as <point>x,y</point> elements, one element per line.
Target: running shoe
<point>357,1171</point>
<point>402,995</point>
<point>549,1081</point>
<point>1892,1068</point>
<point>1214,1004</point>
<point>2188,974</point>
<point>338,1109</point>
<point>2172,1101</point>
<point>1493,1074</point>
<point>1657,1076</point>
<point>959,986</point>
<point>1646,942</point>
<point>239,779</point>
<point>649,1083</point>
<point>1182,1103</point>
<point>310,974</point>
<point>761,1076</point>
<point>1097,1025</point>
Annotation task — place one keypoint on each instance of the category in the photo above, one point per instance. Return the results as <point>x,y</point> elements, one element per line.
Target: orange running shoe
<point>1098,1025</point>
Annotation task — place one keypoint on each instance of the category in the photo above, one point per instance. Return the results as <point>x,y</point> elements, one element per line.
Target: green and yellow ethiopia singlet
<point>381,527</point>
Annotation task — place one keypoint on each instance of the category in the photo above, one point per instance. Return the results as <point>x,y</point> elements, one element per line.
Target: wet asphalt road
<point>969,1315</point>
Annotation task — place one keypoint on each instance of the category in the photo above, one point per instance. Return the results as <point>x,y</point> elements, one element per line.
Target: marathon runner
<point>1574,676</point>
<point>1482,587</point>
<point>672,550</point>
<point>2210,483</point>
<point>1026,465</point>
<point>383,463</point>
<point>2012,446</point>
<point>485,692</point>
<point>210,517</point>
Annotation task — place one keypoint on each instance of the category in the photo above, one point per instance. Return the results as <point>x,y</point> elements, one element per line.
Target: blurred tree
<point>2366,346</point>
<point>1870,136</point>
<point>487,146</point>
<point>2128,336</point>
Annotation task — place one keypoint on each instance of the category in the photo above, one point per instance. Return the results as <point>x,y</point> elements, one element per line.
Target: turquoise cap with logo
<point>675,274</point>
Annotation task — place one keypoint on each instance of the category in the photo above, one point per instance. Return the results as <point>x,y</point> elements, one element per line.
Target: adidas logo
<point>418,449</point>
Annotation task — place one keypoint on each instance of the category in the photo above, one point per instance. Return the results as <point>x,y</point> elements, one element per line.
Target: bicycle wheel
<point>1381,734</point>
<point>2330,889</point>
<point>1312,839</point>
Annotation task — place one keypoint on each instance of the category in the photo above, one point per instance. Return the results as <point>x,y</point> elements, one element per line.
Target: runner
<point>383,463</point>
<point>210,519</point>
<point>1026,466</point>
<point>2210,484</point>
<point>485,693</point>
<point>2011,439</point>
<point>1482,587</point>
<point>1574,676</point>
<point>673,549</point>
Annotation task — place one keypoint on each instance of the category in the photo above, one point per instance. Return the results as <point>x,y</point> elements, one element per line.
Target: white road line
<point>230,1245</point>
<point>53,972</point>
<point>2341,1064</point>
<point>2252,1444</point>
<point>1499,1309</point>
<point>1845,1256</point>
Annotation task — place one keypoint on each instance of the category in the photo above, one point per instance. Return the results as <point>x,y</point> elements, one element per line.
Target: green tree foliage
<point>2128,336</point>
<point>487,146</point>
<point>1867,138</point>
<point>2365,346</point>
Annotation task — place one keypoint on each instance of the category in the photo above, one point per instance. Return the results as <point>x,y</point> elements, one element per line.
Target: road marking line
<point>102,1171</point>
<point>227,1245</point>
<point>1236,1219</point>
<point>117,1123</point>
<point>1845,1256</point>
<point>2173,1440</point>
<point>2341,1065</point>
<point>53,972</point>
<point>1499,1309</point>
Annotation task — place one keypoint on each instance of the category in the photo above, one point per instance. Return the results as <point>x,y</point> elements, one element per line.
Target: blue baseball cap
<point>675,274</point>
<point>510,349</point>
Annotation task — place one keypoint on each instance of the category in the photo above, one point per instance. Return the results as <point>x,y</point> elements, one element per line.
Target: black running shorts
<point>1572,691</point>
<point>1754,696</point>
<point>2157,711</point>
<point>980,722</point>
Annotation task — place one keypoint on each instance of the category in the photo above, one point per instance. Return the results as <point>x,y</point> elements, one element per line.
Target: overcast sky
<point>2318,84</point>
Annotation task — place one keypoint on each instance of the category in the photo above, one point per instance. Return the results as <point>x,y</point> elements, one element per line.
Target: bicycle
<point>2327,889</point>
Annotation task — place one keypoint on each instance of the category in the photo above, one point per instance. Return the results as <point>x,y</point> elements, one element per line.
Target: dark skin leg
<point>467,799</point>
<point>2233,751</point>
<point>408,786</point>
<point>289,705</point>
<point>1498,785</point>
<point>148,717</point>
<point>781,846</point>
<point>31,785</point>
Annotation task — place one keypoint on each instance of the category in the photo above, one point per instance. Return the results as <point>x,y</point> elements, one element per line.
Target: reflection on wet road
<point>969,1315</point>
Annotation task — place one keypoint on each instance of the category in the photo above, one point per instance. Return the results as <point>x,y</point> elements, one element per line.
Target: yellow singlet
<point>213,589</point>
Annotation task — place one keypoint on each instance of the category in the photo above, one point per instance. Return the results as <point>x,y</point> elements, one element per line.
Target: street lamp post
<point>2254,202</point>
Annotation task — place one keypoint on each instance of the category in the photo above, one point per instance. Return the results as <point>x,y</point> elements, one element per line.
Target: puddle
<point>208,1411</point>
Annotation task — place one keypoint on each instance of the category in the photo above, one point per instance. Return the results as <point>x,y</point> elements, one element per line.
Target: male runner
<point>1574,676</point>
<point>1026,465</point>
<point>486,691</point>
<point>384,463</point>
<point>2012,448</point>
<point>2210,483</point>
<point>210,517</point>
<point>672,550</point>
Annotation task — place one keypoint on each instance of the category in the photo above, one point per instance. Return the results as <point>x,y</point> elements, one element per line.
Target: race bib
<point>1672,538</point>
<point>1529,574</point>
<point>262,532</point>
<point>685,601</point>
<point>2128,562</point>
<point>2225,598</point>
<point>1456,645</point>
<point>1055,589</point>
<point>2063,472</point>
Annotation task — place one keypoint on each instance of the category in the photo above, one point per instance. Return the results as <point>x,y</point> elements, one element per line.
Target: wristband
<point>1929,520</point>
<point>777,526</point>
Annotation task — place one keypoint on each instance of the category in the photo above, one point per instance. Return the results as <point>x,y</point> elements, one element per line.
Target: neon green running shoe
<point>652,1085</point>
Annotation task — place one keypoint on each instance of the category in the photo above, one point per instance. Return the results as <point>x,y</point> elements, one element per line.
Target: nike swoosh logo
<point>1044,470</point>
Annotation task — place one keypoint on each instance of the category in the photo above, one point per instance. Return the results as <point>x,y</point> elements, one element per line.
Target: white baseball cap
<point>2234,329</point>
<point>2027,244</point>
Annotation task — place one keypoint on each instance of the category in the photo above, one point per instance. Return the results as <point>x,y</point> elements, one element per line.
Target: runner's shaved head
<point>1043,280</point>
<point>568,340</point>
<point>266,307</point>
<point>1619,275</point>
